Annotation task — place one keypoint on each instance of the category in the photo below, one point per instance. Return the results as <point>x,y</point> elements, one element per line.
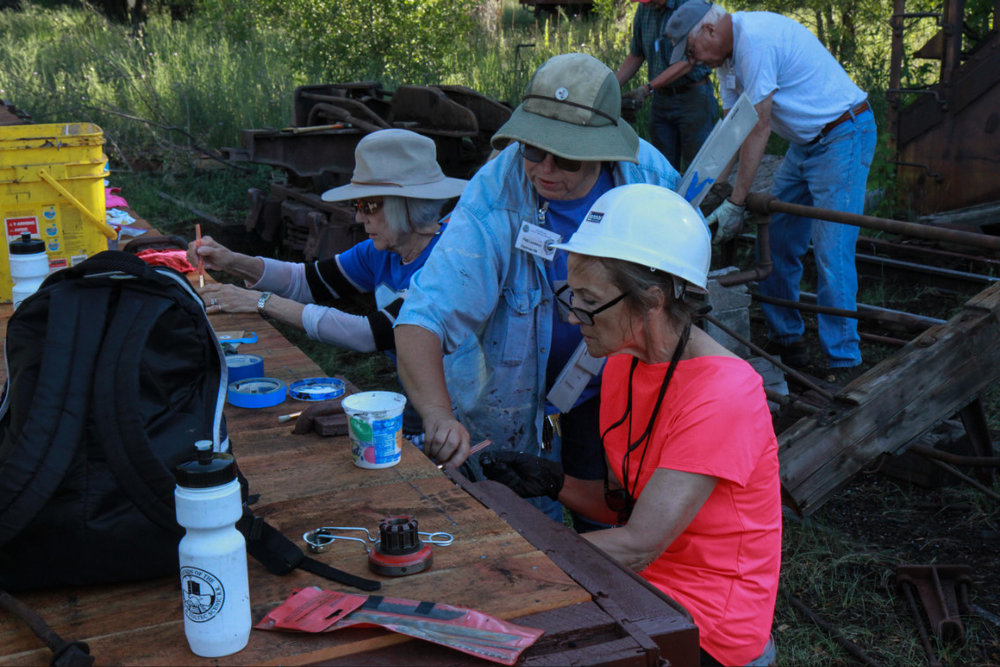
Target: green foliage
<point>180,85</point>
<point>386,40</point>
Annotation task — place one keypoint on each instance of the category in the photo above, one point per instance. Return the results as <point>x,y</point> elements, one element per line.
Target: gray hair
<point>636,280</point>
<point>407,214</point>
<point>711,17</point>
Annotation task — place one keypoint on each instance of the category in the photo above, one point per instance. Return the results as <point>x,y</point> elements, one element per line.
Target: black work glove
<point>528,476</point>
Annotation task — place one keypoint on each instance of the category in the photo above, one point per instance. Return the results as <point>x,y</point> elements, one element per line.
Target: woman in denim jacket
<point>494,274</point>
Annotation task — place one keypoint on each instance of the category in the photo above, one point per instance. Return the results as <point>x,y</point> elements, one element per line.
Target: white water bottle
<point>29,265</point>
<point>213,558</point>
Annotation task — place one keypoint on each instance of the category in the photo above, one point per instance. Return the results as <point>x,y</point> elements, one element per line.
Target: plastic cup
<point>375,424</point>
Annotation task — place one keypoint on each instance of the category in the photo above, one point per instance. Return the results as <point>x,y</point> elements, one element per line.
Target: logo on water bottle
<point>203,594</point>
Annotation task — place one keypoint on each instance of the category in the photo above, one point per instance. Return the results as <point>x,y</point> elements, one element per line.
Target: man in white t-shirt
<point>803,95</point>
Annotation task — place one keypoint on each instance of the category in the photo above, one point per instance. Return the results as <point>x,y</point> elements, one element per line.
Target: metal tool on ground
<point>398,550</point>
<point>944,594</point>
<point>478,447</point>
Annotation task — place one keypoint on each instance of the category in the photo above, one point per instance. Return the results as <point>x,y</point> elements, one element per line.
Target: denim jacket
<point>476,283</point>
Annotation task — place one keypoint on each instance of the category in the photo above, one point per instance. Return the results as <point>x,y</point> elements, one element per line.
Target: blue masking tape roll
<point>243,366</point>
<point>257,392</point>
<point>316,389</point>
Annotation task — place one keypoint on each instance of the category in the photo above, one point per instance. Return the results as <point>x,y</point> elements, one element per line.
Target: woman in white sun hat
<point>398,191</point>
<point>692,484</point>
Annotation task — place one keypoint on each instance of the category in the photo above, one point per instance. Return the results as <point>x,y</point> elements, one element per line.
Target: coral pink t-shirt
<point>714,421</point>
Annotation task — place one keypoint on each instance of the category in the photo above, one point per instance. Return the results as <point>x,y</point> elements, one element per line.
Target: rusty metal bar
<point>956,459</point>
<point>882,340</point>
<point>765,204</point>
<point>965,478</point>
<point>764,263</point>
<point>756,349</point>
<point>864,312</point>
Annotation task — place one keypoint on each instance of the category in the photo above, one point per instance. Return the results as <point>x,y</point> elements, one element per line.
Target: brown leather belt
<point>677,90</point>
<point>847,115</point>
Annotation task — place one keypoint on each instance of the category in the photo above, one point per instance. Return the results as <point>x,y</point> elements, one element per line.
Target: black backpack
<point>113,373</point>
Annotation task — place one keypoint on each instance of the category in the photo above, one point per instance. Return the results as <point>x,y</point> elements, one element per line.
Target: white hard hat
<point>650,226</point>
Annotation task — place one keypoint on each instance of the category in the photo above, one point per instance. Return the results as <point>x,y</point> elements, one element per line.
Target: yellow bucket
<point>52,186</point>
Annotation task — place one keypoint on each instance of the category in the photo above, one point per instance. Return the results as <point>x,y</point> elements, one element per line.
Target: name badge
<point>730,81</point>
<point>537,240</point>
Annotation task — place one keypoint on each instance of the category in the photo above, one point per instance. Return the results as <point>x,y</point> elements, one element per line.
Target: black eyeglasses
<point>535,154</point>
<point>368,206</point>
<point>586,317</point>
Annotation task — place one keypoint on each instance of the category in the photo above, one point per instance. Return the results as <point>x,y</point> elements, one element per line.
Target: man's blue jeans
<point>679,124</point>
<point>832,174</point>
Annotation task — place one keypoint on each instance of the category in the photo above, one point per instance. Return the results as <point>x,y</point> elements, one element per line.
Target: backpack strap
<point>120,429</point>
<point>46,442</point>
<point>280,555</point>
<point>64,653</point>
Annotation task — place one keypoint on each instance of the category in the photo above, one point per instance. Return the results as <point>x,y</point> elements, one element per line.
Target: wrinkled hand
<point>638,94</point>
<point>445,439</point>
<point>304,422</point>
<point>729,218</point>
<point>229,299</point>
<point>528,476</point>
<point>217,256</point>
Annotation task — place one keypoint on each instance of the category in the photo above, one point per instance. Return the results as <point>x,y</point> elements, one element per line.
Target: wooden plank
<point>893,403</point>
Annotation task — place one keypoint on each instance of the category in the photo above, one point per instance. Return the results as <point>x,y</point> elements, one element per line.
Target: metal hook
<point>320,539</point>
<point>439,538</point>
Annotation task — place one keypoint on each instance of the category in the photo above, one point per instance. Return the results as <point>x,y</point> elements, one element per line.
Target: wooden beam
<point>885,409</point>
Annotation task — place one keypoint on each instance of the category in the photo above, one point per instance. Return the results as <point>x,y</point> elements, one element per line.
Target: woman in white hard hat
<point>398,191</point>
<point>693,483</point>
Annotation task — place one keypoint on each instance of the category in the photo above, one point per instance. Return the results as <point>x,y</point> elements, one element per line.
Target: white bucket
<point>375,420</point>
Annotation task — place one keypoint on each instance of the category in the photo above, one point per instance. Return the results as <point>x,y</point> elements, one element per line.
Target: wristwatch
<point>261,302</point>
<point>649,87</point>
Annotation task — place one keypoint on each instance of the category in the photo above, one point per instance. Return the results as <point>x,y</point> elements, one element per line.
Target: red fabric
<point>175,259</point>
<point>714,421</point>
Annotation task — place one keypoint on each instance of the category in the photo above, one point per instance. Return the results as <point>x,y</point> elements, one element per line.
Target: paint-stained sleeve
<point>454,294</point>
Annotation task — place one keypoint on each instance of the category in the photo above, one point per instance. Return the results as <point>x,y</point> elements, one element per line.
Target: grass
<point>182,90</point>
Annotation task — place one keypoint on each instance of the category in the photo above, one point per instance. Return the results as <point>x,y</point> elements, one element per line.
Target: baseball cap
<point>683,19</point>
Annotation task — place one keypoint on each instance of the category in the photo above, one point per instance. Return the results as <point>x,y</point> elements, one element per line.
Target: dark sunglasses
<point>368,206</point>
<point>586,317</point>
<point>535,154</point>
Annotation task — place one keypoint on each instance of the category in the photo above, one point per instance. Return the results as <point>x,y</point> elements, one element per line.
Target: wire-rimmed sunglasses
<point>536,155</point>
<point>586,317</point>
<point>368,206</point>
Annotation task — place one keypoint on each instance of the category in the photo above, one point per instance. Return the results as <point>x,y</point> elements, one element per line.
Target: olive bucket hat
<point>396,163</point>
<point>572,108</point>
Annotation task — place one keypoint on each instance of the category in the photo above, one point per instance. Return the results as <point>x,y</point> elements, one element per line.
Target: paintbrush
<point>289,417</point>
<point>475,448</point>
<point>201,261</point>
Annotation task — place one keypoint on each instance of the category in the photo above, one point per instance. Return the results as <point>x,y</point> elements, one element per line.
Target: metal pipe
<point>764,263</point>
<point>797,376</point>
<point>765,204</point>
<point>965,478</point>
<point>956,459</point>
<point>864,312</point>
